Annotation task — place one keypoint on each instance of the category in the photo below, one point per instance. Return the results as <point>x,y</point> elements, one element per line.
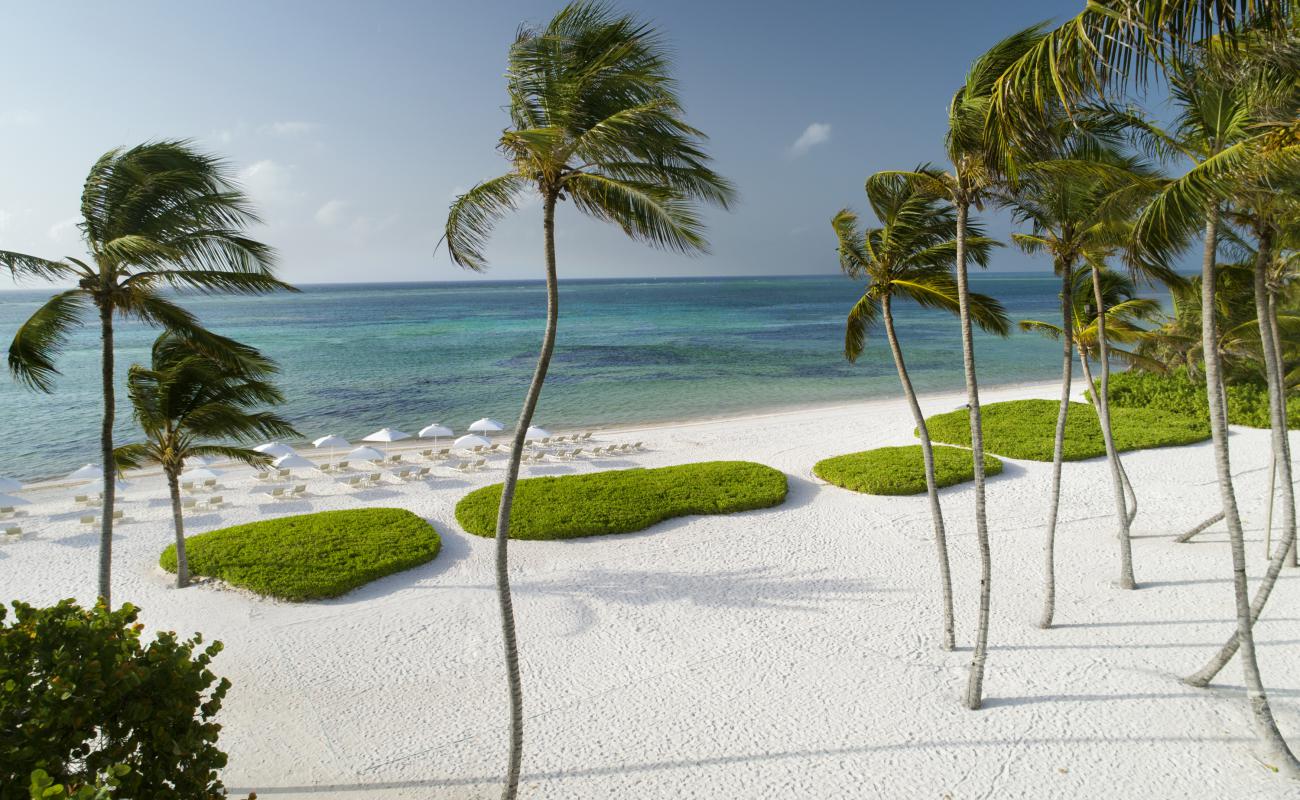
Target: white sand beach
<point>789,652</point>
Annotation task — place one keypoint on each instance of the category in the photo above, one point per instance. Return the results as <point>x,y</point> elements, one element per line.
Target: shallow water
<point>358,357</point>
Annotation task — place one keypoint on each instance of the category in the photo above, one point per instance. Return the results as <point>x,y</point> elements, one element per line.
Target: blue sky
<point>353,125</point>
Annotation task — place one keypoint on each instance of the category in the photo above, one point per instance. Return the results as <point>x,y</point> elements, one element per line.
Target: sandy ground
<point>791,652</point>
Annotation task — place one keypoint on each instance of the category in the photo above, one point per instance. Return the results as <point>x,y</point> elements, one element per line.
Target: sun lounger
<point>265,475</point>
<point>216,501</point>
<point>210,484</point>
<point>374,477</point>
<point>187,486</point>
<point>299,490</point>
<point>14,533</point>
<point>478,465</point>
<point>461,466</point>
<point>571,454</point>
<point>284,473</point>
<point>584,437</point>
<point>88,520</point>
<point>354,482</point>
<point>423,473</point>
<point>188,504</point>
<point>118,516</point>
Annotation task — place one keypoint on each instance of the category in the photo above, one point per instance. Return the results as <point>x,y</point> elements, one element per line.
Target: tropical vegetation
<point>311,556</point>
<point>595,118</point>
<point>910,257</point>
<point>85,698</point>
<point>623,500</point>
<point>902,470</point>
<point>188,398</point>
<point>155,216</point>
<point>1026,430</point>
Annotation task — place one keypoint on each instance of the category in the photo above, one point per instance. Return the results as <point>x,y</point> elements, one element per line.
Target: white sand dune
<point>783,653</point>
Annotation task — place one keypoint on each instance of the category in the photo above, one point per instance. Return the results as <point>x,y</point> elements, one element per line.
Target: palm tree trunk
<point>1284,460</point>
<point>1277,417</point>
<point>1274,746</point>
<point>106,453</point>
<point>1058,451</point>
<point>975,685</point>
<point>511,788</point>
<point>932,490</point>
<point>1102,396</point>
<point>1187,537</point>
<point>178,523</point>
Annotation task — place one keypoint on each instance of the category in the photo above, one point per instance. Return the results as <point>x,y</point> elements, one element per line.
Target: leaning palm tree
<point>596,119</point>
<point>977,167</point>
<point>911,256</point>
<point>1215,130</point>
<point>154,216</point>
<point>188,399</point>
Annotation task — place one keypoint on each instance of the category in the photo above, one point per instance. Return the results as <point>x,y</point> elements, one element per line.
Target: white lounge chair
<point>89,520</point>
<point>584,437</point>
<point>189,503</point>
<point>299,490</point>
<point>461,466</point>
<point>216,501</point>
<point>14,533</point>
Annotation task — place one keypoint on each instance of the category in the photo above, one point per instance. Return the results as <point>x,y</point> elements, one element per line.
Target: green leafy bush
<point>45,788</point>
<point>1026,429</point>
<point>1178,393</point>
<point>621,501</point>
<point>311,556</point>
<point>900,470</point>
<point>85,702</point>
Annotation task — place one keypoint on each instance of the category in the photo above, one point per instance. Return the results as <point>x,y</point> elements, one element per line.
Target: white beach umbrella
<point>292,461</point>
<point>201,474</point>
<point>332,442</point>
<point>434,431</point>
<point>387,435</point>
<point>89,472</point>
<point>470,441</point>
<point>9,485</point>
<point>486,425</point>
<point>9,501</point>
<point>275,449</point>
<point>200,461</point>
<point>536,432</point>
<point>365,454</point>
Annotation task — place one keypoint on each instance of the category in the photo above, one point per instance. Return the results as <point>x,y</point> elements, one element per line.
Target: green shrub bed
<point>900,470</point>
<point>1026,429</point>
<point>622,501</point>
<point>311,556</point>
<point>1176,392</point>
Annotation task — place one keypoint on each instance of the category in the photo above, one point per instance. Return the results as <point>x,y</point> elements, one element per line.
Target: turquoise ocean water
<point>358,357</point>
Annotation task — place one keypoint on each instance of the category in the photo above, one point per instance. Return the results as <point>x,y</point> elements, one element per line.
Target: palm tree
<point>1078,206</point>
<point>977,166</point>
<point>189,397</point>
<point>596,119</point>
<point>154,216</point>
<point>911,256</point>
<point>1215,130</point>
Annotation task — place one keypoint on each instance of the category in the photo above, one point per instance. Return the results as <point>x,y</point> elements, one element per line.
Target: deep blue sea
<point>358,357</point>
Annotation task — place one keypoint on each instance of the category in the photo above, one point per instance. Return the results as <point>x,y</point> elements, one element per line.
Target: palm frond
<point>41,339</point>
<point>474,213</point>
<point>862,317</point>
<point>646,211</point>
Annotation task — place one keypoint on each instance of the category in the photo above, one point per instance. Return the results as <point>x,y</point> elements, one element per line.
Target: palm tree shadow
<point>761,588</point>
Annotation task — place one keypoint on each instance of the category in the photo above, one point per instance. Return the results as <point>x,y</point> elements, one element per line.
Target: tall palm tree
<point>977,167</point>
<point>911,256</point>
<point>1216,132</point>
<point>155,216</point>
<point>1078,206</point>
<point>596,119</point>
<point>189,397</point>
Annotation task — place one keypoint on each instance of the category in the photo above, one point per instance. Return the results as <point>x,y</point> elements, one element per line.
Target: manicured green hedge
<point>311,556</point>
<point>621,501</point>
<point>1026,429</point>
<point>1176,392</point>
<point>900,470</point>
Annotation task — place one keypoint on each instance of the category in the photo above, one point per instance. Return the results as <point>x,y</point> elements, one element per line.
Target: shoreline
<point>305,448</point>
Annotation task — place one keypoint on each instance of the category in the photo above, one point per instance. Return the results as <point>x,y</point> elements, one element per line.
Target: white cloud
<point>289,128</point>
<point>18,117</point>
<point>813,135</point>
<point>270,183</point>
<point>64,230</point>
<point>331,214</point>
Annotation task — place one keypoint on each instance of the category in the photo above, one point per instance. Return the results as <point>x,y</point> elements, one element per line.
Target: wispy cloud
<point>18,118</point>
<point>813,135</point>
<point>269,182</point>
<point>331,214</point>
<point>289,129</point>
<point>64,230</point>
